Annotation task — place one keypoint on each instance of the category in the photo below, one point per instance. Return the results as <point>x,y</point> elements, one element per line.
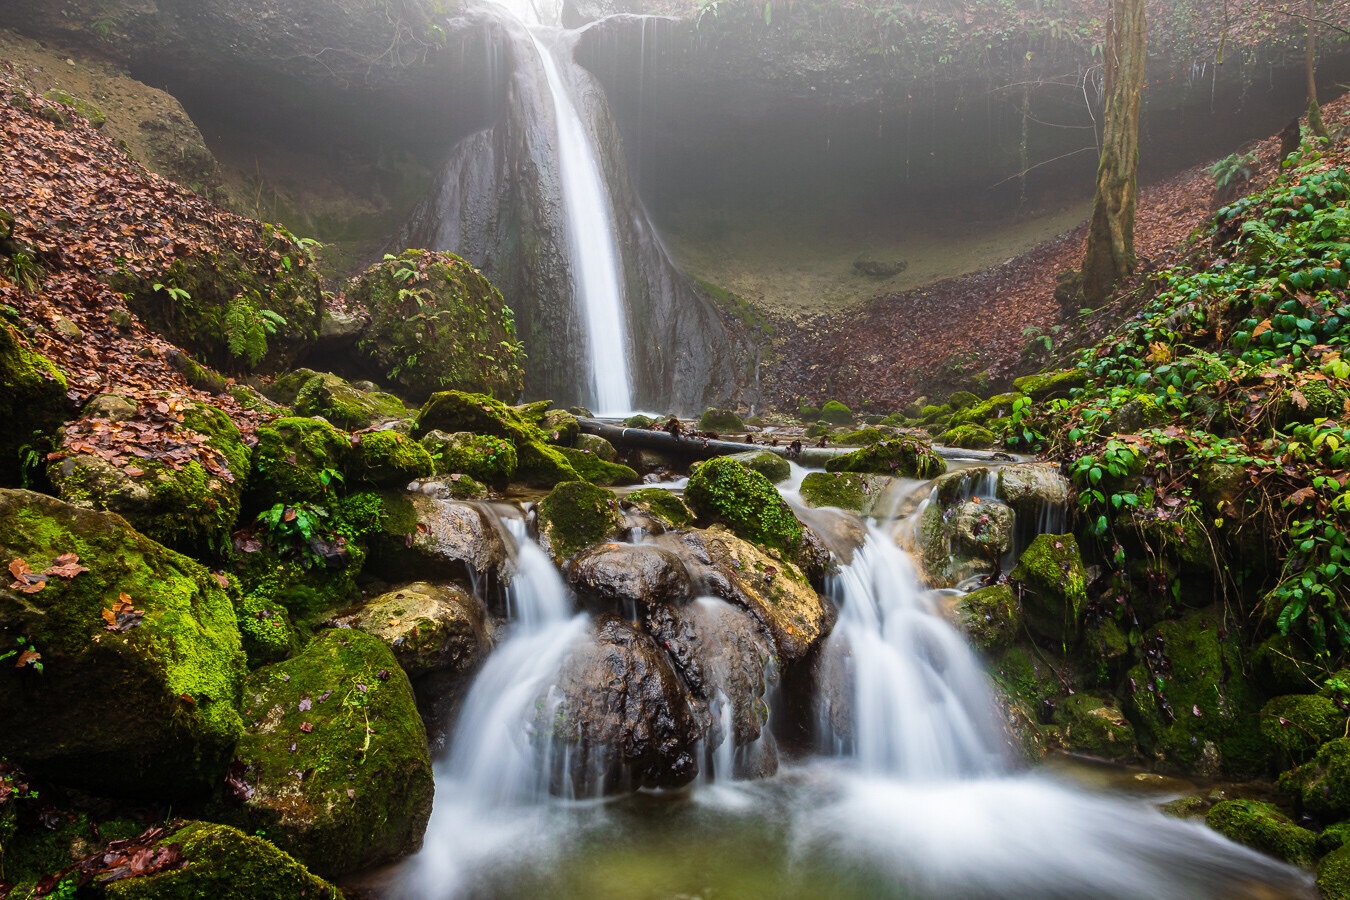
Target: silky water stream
<point>911,794</point>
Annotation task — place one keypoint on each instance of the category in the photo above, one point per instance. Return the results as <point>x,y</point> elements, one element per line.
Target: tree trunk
<point>1110,244</point>
<point>1315,123</point>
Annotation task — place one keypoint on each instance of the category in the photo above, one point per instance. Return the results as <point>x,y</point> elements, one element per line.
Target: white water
<point>597,273</point>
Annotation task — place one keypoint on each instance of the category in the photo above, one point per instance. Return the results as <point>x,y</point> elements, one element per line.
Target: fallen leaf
<point>306,727</point>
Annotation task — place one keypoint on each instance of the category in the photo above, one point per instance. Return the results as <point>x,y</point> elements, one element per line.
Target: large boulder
<point>430,627</point>
<point>428,538</point>
<point>173,468</point>
<point>32,400</point>
<point>629,578</point>
<point>1053,584</point>
<point>623,715</point>
<point>901,457</point>
<point>438,324</point>
<point>576,515</point>
<point>722,490</point>
<point>774,591</point>
<point>129,666</point>
<point>331,397</point>
<point>333,765</point>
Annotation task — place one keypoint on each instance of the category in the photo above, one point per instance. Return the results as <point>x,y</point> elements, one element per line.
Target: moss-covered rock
<point>968,437</point>
<point>1333,837</point>
<point>32,402</point>
<point>82,107</point>
<point>226,864</point>
<point>1032,489</point>
<point>860,438</point>
<point>981,530</point>
<point>145,707</point>
<point>430,628</point>
<point>1090,725</point>
<point>986,412</point>
<point>991,617</point>
<point>1192,707</point>
<point>597,445</point>
<point>486,458</point>
<point>561,427</point>
<point>1323,784</point>
<point>844,490</point>
<point>288,575</point>
<point>1054,586</point>
<point>453,411</point>
<point>1298,724</point>
<point>341,713</point>
<point>961,400</point>
<point>595,470</point>
<point>575,515</point>
<point>765,462</point>
<point>901,457</point>
<point>437,324</point>
<point>388,459</point>
<point>723,490</point>
<point>265,630</point>
<point>187,495</point>
<point>431,539</point>
<point>1050,385</point>
<point>638,420</point>
<point>720,420</point>
<point>333,398</point>
<point>1333,874</point>
<point>836,413</point>
<point>1263,827</point>
<point>296,459</point>
<point>661,505</point>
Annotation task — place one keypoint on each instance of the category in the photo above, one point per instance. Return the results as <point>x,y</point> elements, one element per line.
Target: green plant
<point>297,527</point>
<point>27,653</point>
<point>1045,340</point>
<point>247,328</point>
<point>25,271</point>
<point>1234,169</point>
<point>177,294</point>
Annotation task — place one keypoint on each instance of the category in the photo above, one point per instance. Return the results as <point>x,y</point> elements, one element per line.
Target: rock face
<point>623,714</point>
<point>334,763</point>
<point>133,695</point>
<point>628,578</point>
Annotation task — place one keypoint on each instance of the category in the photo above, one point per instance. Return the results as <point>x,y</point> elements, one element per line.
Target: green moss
<point>575,515</point>
<point>597,445</point>
<point>225,864</point>
<point>1049,385</point>
<point>342,713</point>
<point>32,401</point>
<point>437,324</point>
<point>295,460</point>
<point>1333,837</point>
<point>808,413</point>
<point>844,490</point>
<point>985,412</point>
<point>389,459</point>
<point>266,630</point>
<point>1333,874</point>
<point>455,411</point>
<point>962,400</point>
<point>968,437</point>
<point>481,456</point>
<point>723,490</point>
<point>660,504</point>
<point>179,670</point>
<point>595,470</point>
<point>1054,585</point>
<point>930,414</point>
<point>638,421</point>
<point>1298,724</point>
<point>1264,828</point>
<point>902,457</point>
<point>860,438</point>
<point>1323,784</point>
<point>84,108</point>
<point>723,420</point>
<point>560,427</point>
<point>769,464</point>
<point>543,466</point>
<point>332,398</point>
<point>1090,726</point>
<point>307,590</point>
<point>836,413</point>
<point>991,617</point>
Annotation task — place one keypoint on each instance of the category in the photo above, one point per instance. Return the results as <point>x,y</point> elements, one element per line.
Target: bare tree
<point>1110,244</point>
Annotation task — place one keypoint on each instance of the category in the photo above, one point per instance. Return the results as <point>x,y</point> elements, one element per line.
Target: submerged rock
<point>139,655</point>
<point>333,765</point>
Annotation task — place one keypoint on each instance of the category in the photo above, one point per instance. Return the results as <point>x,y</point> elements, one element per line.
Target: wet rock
<point>333,764</point>
<point>1092,726</point>
<point>629,578</point>
<point>437,540</point>
<point>1031,487</point>
<point>622,714</point>
<point>983,529</point>
<point>1264,828</point>
<point>723,490</point>
<point>844,490</point>
<point>430,627</point>
<point>1054,586</point>
<point>657,506</point>
<point>776,592</point>
<point>143,708</point>
<point>576,515</point>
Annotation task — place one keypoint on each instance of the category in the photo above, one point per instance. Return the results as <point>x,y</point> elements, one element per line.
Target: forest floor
<point>981,329</point>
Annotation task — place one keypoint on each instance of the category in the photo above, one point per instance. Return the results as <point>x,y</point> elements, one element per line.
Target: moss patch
<point>1054,584</point>
<point>595,470</point>
<point>901,457</point>
<point>389,459</point>
<point>575,515</point>
<point>723,490</point>
<point>722,420</point>
<point>968,437</point>
<point>991,616</point>
<point>661,505</point>
<point>1262,827</point>
<point>769,464</point>
<point>484,457</point>
<point>32,401</point>
<point>455,411</point>
<point>295,460</point>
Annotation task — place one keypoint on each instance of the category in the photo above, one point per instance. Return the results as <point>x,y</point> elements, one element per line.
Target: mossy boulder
<point>1053,583</point>
<point>986,411</point>
<point>595,470</point>
<point>489,459</point>
<point>388,459</point>
<point>1323,784</point>
<point>537,463</point>
<point>561,427</point>
<point>720,420</point>
<point>723,490</point>
<point>836,413</point>
<point>968,437</point>
<point>296,460</point>
<point>431,539</point>
<point>661,505</point>
<point>186,494</point>
<point>990,616</point>
<point>1049,385</point>
<point>901,457</point>
<point>1264,828</point>
<point>599,446</point>
<point>1297,724</point>
<point>223,863</point>
<point>430,627</point>
<point>143,708</point>
<point>1192,707</point>
<point>844,490</point>
<point>765,462</point>
<point>575,515</point>
<point>1092,726</point>
<point>860,438</point>
<point>265,630</point>
<point>32,402</point>
<point>436,323</point>
<point>638,420</point>
<point>961,400</point>
<point>981,529</point>
<point>342,713</point>
<point>347,407</point>
<point>1333,874</point>
<point>289,575</point>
